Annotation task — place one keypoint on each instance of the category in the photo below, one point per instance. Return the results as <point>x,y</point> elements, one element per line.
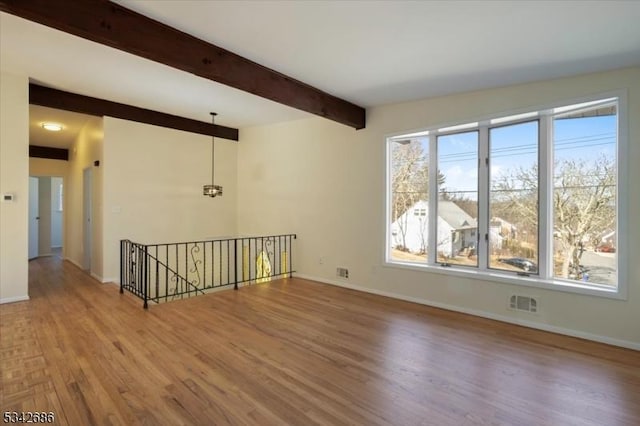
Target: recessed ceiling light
<point>54,127</point>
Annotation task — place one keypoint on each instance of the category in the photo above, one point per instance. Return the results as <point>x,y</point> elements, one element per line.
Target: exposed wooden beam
<point>48,152</point>
<point>121,28</point>
<point>53,98</point>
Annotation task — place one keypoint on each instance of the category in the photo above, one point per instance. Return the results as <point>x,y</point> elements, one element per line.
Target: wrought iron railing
<point>164,272</point>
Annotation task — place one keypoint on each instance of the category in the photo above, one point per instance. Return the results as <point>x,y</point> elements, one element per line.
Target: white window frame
<point>544,114</point>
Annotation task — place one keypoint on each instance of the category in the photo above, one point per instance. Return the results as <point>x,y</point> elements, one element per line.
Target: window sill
<point>532,281</point>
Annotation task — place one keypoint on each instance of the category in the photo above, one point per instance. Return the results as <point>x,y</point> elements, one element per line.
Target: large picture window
<point>531,197</point>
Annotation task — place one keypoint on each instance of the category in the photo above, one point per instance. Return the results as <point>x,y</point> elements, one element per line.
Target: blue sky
<point>458,161</point>
<point>516,146</point>
<point>585,137</point>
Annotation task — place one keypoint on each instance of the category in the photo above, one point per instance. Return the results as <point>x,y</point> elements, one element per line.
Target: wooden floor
<point>294,352</point>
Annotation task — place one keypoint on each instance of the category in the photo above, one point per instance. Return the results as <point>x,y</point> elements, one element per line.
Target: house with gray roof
<point>456,229</point>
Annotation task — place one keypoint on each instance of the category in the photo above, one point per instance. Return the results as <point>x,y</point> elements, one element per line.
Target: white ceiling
<point>368,52</point>
<point>72,124</point>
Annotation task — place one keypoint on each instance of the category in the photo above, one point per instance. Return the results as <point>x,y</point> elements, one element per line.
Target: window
<point>409,198</point>
<point>513,197</point>
<point>584,194</point>
<point>530,198</point>
<point>60,199</point>
<point>457,198</point>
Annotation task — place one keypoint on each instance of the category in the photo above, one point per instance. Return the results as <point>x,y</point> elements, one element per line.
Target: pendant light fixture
<point>212,190</point>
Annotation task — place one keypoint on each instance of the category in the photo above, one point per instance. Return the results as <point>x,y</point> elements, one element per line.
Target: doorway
<point>46,195</point>
<point>57,212</point>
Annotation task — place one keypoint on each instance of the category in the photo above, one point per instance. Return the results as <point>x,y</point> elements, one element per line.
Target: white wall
<point>47,167</point>
<point>153,180</point>
<point>86,149</point>
<point>14,178</point>
<point>326,183</point>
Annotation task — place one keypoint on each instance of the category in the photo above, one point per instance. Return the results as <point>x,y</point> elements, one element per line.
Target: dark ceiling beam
<point>48,152</point>
<point>53,98</point>
<point>121,28</point>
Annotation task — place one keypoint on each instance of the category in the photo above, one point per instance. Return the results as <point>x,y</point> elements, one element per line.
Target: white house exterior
<point>501,230</point>
<point>456,229</point>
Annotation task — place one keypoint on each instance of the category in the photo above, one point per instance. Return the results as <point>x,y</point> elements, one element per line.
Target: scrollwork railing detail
<point>163,272</point>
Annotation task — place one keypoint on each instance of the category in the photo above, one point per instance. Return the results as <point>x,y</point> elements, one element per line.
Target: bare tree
<point>409,180</point>
<point>583,202</point>
<point>467,205</point>
<point>584,205</point>
<point>514,197</point>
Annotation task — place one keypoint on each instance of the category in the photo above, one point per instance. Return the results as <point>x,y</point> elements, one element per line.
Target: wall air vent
<point>342,272</point>
<point>523,303</point>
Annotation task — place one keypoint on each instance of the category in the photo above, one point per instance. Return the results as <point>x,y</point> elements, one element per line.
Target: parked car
<point>522,263</point>
<point>606,248</point>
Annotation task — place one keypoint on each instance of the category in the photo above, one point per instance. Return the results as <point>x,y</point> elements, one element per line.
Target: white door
<point>87,219</point>
<point>34,217</point>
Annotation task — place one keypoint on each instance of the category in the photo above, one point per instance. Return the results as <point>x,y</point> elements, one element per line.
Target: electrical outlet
<point>321,260</point>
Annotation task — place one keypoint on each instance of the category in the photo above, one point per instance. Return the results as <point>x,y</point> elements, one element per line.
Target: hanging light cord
<point>213,149</point>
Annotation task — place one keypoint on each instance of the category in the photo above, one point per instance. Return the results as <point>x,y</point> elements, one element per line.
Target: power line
<point>568,141</point>
<point>523,149</point>
<point>471,156</point>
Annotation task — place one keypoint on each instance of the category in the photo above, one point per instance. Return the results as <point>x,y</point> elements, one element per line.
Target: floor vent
<point>342,272</point>
<point>523,303</point>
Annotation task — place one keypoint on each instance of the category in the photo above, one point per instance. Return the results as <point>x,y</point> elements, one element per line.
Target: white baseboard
<point>96,277</point>
<point>14,299</point>
<point>531,324</point>
<point>92,274</point>
<point>68,259</point>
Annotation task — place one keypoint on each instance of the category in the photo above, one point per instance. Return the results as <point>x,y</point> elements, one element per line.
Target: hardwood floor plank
<point>294,352</point>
